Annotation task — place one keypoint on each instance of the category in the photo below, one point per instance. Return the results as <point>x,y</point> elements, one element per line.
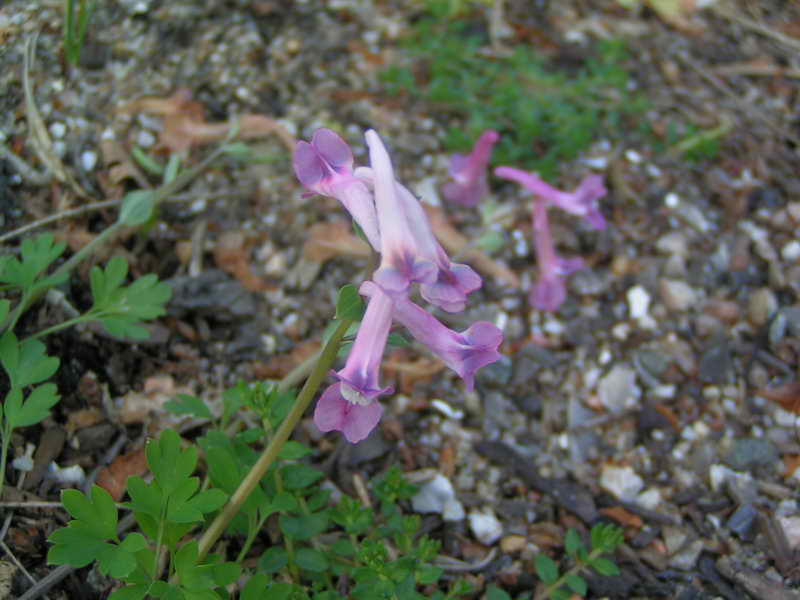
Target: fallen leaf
<point>232,254</point>
<point>411,372</point>
<point>136,407</point>
<point>787,395</point>
<point>185,125</point>
<point>80,419</point>
<point>623,516</point>
<point>458,244</point>
<point>114,478</point>
<point>329,240</point>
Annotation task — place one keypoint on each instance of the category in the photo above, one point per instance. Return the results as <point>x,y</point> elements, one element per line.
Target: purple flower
<point>351,405</point>
<point>402,263</point>
<point>549,292</point>
<point>325,166</point>
<point>454,281</point>
<point>582,202</point>
<point>465,352</point>
<point>469,184</point>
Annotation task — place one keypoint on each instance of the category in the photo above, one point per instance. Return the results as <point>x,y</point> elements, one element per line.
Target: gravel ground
<point>660,396</point>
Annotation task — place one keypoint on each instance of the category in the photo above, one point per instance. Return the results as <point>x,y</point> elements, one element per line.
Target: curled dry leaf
<point>136,407</point>
<point>787,395</point>
<point>329,240</point>
<point>185,125</point>
<point>623,516</point>
<point>232,254</point>
<point>458,245</point>
<point>114,478</point>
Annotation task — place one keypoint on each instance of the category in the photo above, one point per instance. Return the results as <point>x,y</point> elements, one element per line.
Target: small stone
<point>674,538</point>
<point>617,390</point>
<point>513,544</point>
<point>686,559</point>
<point>58,130</point>
<point>88,160</point>
<point>791,529</point>
<point>761,306</point>
<point>633,156</point>
<point>497,374</point>
<point>716,364</point>
<point>791,251</point>
<point>750,453</point>
<point>742,522</point>
<point>438,496</point>
<point>145,139</point>
<point>677,295</point>
<point>621,482</point>
<point>672,200</point>
<point>485,526</point>
<point>650,499</point>
<point>674,242</point>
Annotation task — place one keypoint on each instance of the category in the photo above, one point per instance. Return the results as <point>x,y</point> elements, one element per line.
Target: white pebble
<point>791,251</point>
<point>485,526</point>
<point>58,130</point>
<point>633,156</point>
<point>621,482</point>
<point>73,475</point>
<point>88,160</point>
<point>672,200</point>
<point>145,139</point>
<point>438,496</point>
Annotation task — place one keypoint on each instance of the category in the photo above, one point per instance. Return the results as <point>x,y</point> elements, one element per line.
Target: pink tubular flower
<point>325,166</point>
<point>469,184</point>
<point>465,352</point>
<point>582,202</point>
<point>454,281</point>
<point>351,404</point>
<point>401,260</point>
<point>549,292</point>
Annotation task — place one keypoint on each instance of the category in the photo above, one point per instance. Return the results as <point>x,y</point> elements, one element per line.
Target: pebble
<point>750,453</point>
<point>621,482</point>
<point>674,242</point>
<point>485,526</point>
<point>716,364</point>
<point>791,529</point>
<point>639,305</point>
<point>742,522</point>
<point>672,200</point>
<point>58,130</point>
<point>438,496</point>
<point>677,295</point>
<point>513,544</point>
<point>791,251</point>
<point>761,306</point>
<point>88,160</point>
<point>633,156</point>
<point>145,139</point>
<point>617,390</point>
<point>686,559</point>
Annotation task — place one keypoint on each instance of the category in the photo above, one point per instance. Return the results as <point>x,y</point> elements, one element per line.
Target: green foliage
<point>165,509</point>
<point>75,27</point>
<point>605,539</point>
<point>545,114</point>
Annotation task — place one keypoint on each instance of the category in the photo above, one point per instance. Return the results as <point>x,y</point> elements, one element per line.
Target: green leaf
<point>5,306</point>
<point>121,562</point>
<point>349,304</point>
<point>284,502</point>
<point>303,527</point>
<point>573,542</point>
<point>36,407</point>
<point>137,208</point>
<point>76,546</point>
<point>130,592</point>
<point>495,593</point>
<point>26,362</point>
<point>429,575</point>
<point>546,568</point>
<point>170,465</point>
<point>604,566</point>
<point>145,498</point>
<point>561,593</point>
<point>173,166</point>
<point>226,573</point>
<point>255,587</point>
<point>98,514</point>
<point>398,341</point>
<point>577,584</point>
<point>311,560</point>
<point>298,476</point>
<point>36,255</point>
<point>186,404</point>
<point>292,450</point>
<point>273,560</point>
<point>343,547</point>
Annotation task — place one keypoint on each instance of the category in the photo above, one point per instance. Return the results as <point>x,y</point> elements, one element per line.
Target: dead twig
<point>18,564</point>
<point>761,28</point>
<point>27,172</point>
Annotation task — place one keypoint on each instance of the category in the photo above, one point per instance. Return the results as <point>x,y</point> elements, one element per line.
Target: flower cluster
<point>469,186</point>
<point>396,226</point>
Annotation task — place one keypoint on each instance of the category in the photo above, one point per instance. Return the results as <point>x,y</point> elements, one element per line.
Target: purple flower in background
<point>549,292</point>
<point>350,405</point>
<point>465,352</point>
<point>469,183</point>
<point>582,202</point>
<point>402,260</point>
<point>325,166</point>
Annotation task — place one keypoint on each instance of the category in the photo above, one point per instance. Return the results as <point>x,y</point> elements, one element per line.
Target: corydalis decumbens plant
<point>549,291</point>
<point>396,226</point>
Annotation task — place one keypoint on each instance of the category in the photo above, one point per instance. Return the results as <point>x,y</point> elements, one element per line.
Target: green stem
<point>4,456</point>
<point>59,327</point>
<point>270,453</point>
<point>575,570</point>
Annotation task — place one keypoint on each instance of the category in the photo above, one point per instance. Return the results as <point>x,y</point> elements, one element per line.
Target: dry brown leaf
<point>787,395</point>
<point>136,406</point>
<point>623,516</point>
<point>114,478</point>
<point>232,255</point>
<point>411,372</point>
<point>458,244</point>
<point>80,419</point>
<point>329,240</point>
<point>119,164</point>
<point>791,463</point>
<point>185,125</point>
